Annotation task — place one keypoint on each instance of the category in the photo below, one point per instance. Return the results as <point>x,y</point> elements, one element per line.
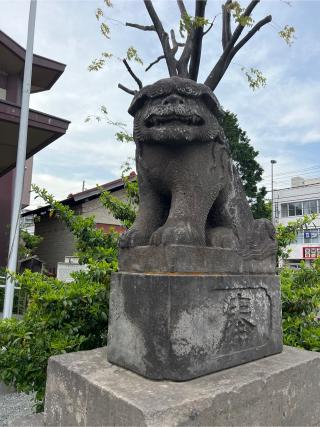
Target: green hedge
<point>61,317</point>
<point>301,306</point>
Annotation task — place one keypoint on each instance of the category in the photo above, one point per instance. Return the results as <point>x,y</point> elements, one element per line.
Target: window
<point>300,208</point>
<point>284,210</point>
<point>292,210</point>
<point>3,93</point>
<point>310,207</point>
<point>295,209</point>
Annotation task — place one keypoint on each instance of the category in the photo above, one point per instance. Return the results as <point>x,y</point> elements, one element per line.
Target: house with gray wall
<point>58,242</point>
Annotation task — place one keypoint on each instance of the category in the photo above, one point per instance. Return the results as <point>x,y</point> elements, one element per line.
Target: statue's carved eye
<point>173,99</point>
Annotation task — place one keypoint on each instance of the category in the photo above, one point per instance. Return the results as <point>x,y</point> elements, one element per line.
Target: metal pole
<point>20,165</point>
<point>272,207</point>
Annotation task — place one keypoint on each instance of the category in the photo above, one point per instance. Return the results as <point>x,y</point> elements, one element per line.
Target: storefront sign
<point>311,252</point>
<point>311,234</point>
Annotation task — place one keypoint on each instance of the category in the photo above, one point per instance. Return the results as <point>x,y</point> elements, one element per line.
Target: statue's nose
<point>173,100</point>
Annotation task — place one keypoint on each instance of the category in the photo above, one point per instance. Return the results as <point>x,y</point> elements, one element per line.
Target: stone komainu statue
<point>190,191</point>
<point>196,290</point>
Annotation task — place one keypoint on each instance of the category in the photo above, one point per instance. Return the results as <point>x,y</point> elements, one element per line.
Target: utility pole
<point>20,164</point>
<point>273,162</point>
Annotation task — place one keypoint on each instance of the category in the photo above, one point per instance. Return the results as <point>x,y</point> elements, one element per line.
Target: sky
<point>281,120</point>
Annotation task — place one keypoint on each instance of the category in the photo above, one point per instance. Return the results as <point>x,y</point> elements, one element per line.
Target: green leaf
<point>287,34</point>
<point>255,78</point>
<point>99,13</point>
<point>238,14</point>
<point>132,55</point>
<point>96,65</point>
<point>105,30</point>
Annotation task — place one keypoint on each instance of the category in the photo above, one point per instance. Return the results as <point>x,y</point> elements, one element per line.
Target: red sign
<point>311,252</point>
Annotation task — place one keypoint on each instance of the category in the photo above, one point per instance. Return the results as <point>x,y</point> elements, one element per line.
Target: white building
<point>303,197</point>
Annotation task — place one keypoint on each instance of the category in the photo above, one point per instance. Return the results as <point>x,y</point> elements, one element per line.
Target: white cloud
<point>281,120</point>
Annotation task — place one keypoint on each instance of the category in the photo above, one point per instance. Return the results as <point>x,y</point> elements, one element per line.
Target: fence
<point>20,298</point>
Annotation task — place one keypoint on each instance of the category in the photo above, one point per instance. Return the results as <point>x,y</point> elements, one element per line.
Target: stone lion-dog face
<point>175,111</point>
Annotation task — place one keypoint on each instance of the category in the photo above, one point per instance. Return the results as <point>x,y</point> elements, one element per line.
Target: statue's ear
<point>137,103</point>
<point>213,104</point>
<point>217,109</point>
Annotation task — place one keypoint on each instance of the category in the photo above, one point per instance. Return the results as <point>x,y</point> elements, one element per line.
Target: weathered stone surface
<point>83,389</point>
<point>34,420</point>
<point>180,326</point>
<point>193,259</point>
<point>189,190</point>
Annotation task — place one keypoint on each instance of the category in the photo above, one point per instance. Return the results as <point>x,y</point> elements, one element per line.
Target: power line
<point>306,197</point>
<point>294,172</point>
<point>306,177</point>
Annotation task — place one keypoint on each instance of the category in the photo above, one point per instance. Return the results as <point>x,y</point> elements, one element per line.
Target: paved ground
<point>14,405</point>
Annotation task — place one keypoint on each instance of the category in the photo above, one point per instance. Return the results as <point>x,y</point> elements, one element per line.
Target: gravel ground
<point>14,405</point>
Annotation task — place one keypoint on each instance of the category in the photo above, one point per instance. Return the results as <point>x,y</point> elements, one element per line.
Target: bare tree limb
<point>210,26</point>
<point>132,92</point>
<point>245,39</point>
<point>182,64</point>
<point>251,33</point>
<point>155,62</point>
<point>141,27</point>
<point>230,50</point>
<point>226,23</point>
<point>174,42</point>
<point>237,32</point>
<point>139,82</point>
<point>196,48</point>
<point>163,37</point>
<point>182,8</point>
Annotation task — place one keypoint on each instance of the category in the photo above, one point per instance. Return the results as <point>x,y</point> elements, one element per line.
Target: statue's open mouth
<point>173,119</point>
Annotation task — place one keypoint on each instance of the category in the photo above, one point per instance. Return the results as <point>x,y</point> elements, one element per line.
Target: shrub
<point>61,317</point>
<point>301,306</point>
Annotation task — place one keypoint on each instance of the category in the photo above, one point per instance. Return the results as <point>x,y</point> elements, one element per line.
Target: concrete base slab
<point>279,390</point>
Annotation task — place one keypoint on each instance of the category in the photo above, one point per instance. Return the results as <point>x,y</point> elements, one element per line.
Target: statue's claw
<point>177,233</point>
<point>132,238</point>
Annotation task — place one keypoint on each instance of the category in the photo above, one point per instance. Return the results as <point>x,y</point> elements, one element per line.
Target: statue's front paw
<point>180,233</point>
<point>132,238</point>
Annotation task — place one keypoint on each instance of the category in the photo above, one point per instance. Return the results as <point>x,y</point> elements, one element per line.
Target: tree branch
<point>197,41</point>
<point>251,33</point>
<point>239,29</point>
<point>182,8</point>
<point>139,82</point>
<point>175,44</point>
<point>182,64</point>
<point>230,50</point>
<point>141,27</point>
<point>210,26</point>
<point>132,92</point>
<point>155,62</point>
<point>226,24</point>
<point>163,37</point>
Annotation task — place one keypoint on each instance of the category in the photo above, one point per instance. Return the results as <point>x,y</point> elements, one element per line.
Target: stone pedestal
<point>182,326</point>
<point>83,389</point>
